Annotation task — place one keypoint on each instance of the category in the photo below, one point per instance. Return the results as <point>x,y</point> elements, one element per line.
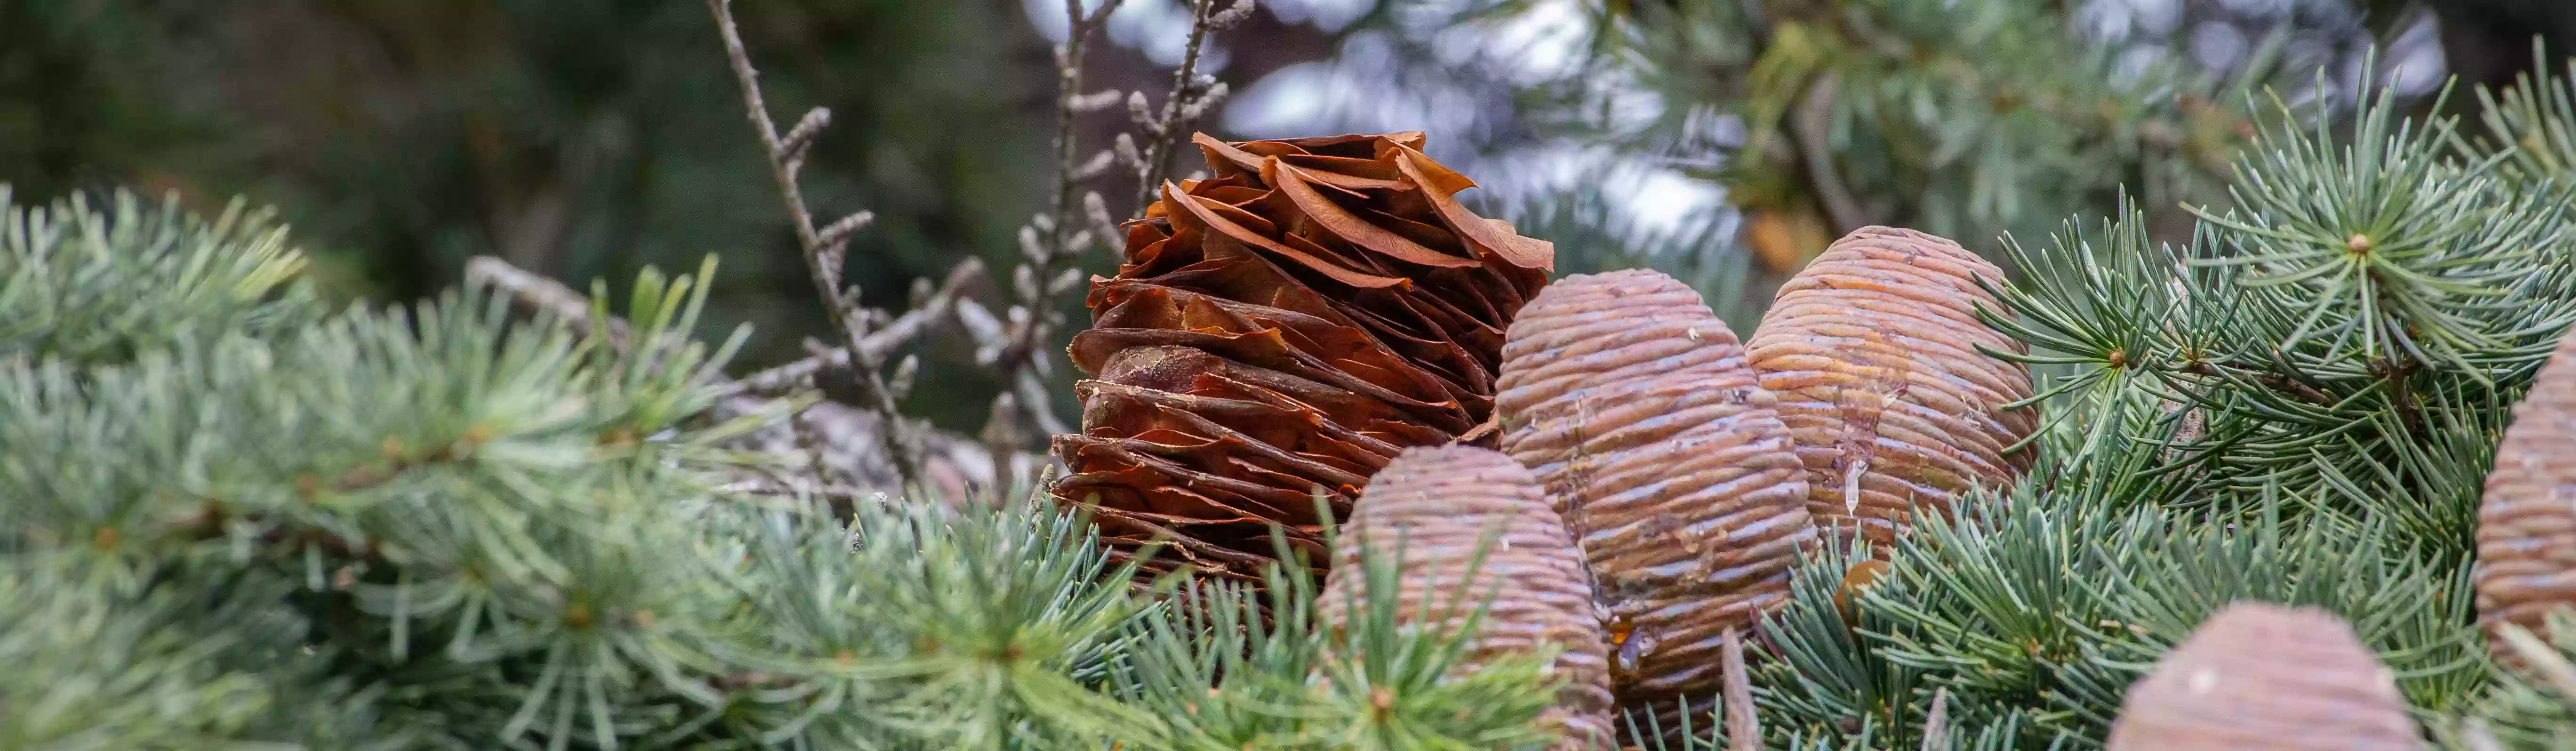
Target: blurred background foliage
<point>1721,140</point>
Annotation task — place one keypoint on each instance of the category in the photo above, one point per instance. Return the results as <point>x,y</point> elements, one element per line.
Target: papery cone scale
<point>1880,365</point>
<point>1279,332</point>
<point>1437,512</point>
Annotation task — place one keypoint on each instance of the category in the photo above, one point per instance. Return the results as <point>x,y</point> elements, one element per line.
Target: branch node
<point>1094,101</point>
<point>1226,19</point>
<point>802,136</point>
<point>839,232</point>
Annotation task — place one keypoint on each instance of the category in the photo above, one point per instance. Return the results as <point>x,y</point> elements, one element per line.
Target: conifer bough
<point>2526,534</point>
<point>1632,403</point>
<point>1463,523</point>
<point>1285,328</point>
<point>2264,676</point>
<point>1875,354</point>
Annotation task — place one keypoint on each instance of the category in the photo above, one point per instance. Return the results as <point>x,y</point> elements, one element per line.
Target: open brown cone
<point>1282,330</point>
<point>1873,353</point>
<point>1437,506</point>
<point>2527,521</point>
<point>1633,405</point>
<point>2257,676</point>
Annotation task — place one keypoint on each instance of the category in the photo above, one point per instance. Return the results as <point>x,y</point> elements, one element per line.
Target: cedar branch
<point>824,248</point>
<point>1055,238</point>
<point>879,343</point>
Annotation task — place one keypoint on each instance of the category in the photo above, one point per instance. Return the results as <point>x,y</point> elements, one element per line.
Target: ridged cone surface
<point>1634,406</point>
<point>2257,676</point>
<point>2527,521</point>
<point>1872,352</point>
<point>1288,325</point>
<point>1439,504</point>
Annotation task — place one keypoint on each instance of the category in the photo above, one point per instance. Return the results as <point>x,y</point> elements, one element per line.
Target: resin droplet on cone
<point>1633,405</point>
<point>1873,354</point>
<point>2258,676</point>
<point>1439,504</point>
<point>2527,520</point>
<point>1283,328</point>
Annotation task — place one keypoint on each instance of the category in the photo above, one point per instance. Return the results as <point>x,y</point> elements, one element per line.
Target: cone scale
<point>1282,330</point>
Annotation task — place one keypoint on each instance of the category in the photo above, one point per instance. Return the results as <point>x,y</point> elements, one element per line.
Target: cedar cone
<point>1438,505</point>
<point>1633,405</point>
<point>2258,676</point>
<point>1282,330</point>
<point>1873,351</point>
<point>2526,527</point>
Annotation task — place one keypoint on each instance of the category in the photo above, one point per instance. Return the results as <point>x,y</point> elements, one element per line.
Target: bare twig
<point>1011,344</point>
<point>1743,730</point>
<point>1192,95</point>
<point>537,293</point>
<point>1014,344</point>
<point>824,247</point>
<point>879,343</point>
<point>2273,381</point>
<point>1808,128</point>
<point>1936,725</point>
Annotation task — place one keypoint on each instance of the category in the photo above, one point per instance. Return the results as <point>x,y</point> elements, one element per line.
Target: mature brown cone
<point>2526,524</point>
<point>1282,329</point>
<point>2257,676</point>
<point>1437,505</point>
<point>1633,404</point>
<point>1873,353</point>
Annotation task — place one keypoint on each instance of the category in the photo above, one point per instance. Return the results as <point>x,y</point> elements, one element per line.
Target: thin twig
<point>824,248</point>
<point>879,343</point>
<point>1808,126</point>
<point>1191,96</point>
<point>1078,220</point>
<point>2273,381</point>
<point>1936,725</point>
<point>1743,730</point>
<point>537,293</point>
<point>1055,238</point>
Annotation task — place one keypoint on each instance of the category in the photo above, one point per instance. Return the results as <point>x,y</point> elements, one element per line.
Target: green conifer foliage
<point>2298,407</point>
<point>2347,331</point>
<point>235,519</point>
<point>71,278</point>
